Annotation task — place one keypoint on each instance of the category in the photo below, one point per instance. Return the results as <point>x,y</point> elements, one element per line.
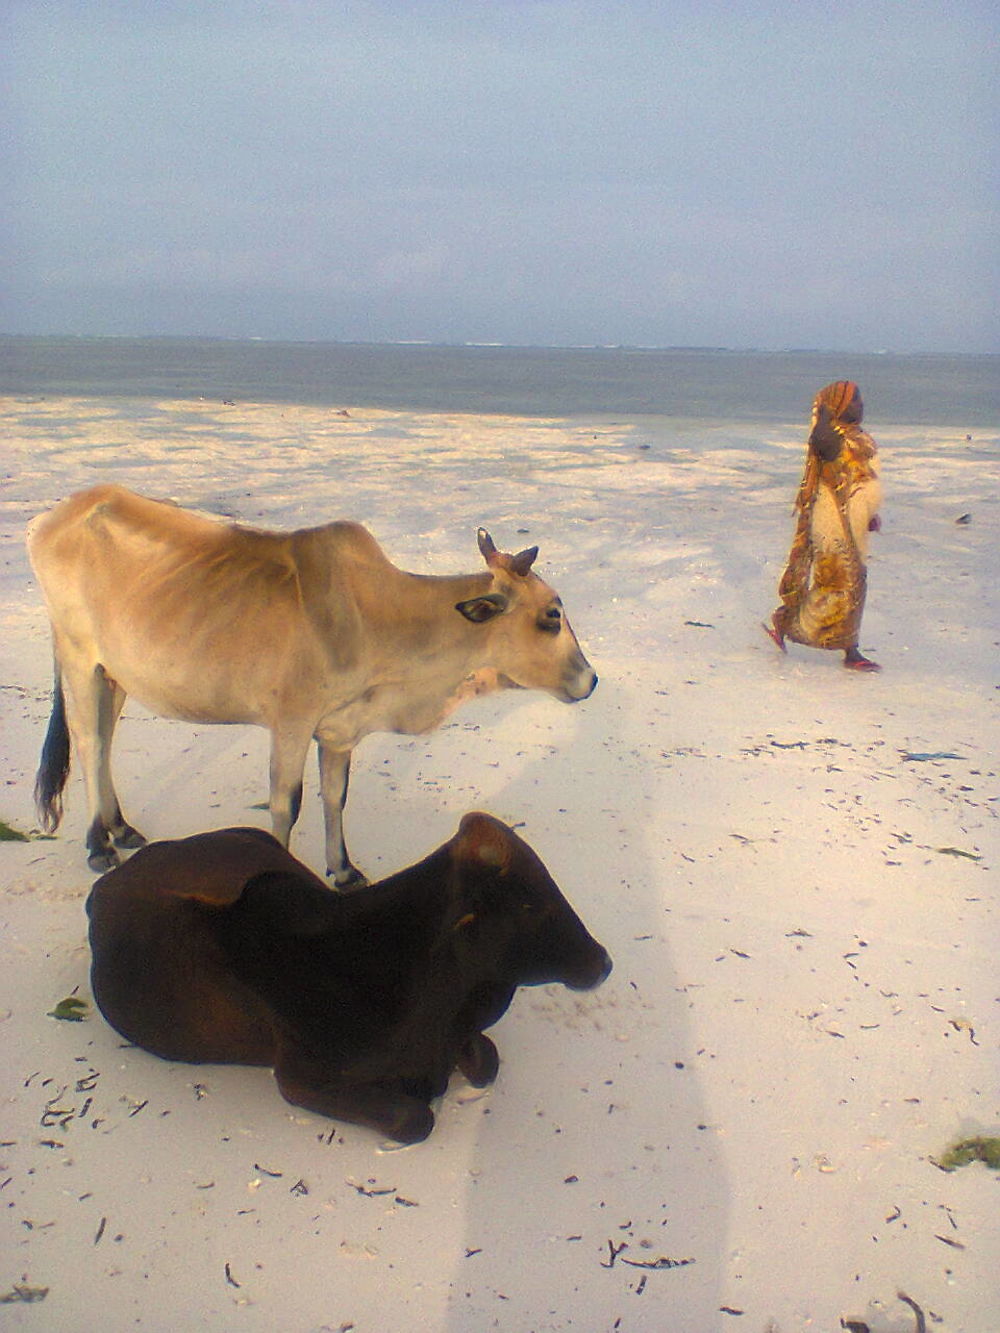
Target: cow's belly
<point>195,690</point>
<point>196,678</point>
<point>184,706</point>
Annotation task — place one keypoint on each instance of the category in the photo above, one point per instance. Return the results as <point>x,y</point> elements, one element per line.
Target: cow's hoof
<point>411,1124</point>
<point>103,860</point>
<point>129,839</point>
<point>479,1061</point>
<point>348,878</point>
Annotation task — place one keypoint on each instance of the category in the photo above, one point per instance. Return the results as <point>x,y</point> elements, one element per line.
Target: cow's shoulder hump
<point>340,542</point>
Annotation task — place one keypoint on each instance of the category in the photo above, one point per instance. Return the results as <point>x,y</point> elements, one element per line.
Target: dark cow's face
<point>533,642</point>
<point>512,922</point>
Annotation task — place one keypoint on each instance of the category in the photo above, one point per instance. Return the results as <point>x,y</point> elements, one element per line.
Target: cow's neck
<point>425,658</point>
<point>410,921</point>
<point>424,887</point>
<point>440,1000</point>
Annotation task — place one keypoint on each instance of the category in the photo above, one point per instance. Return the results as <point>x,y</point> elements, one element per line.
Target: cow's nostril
<point>584,686</point>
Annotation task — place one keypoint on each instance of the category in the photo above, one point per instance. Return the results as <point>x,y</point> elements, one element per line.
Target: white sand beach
<point>792,866</point>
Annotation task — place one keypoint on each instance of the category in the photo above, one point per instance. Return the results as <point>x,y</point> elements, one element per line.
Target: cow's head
<point>532,642</point>
<point>511,924</point>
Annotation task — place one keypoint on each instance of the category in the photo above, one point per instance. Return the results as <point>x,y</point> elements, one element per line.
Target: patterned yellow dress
<point>823,587</point>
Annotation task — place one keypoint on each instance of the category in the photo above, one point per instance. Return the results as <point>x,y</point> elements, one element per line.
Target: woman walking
<point>823,587</point>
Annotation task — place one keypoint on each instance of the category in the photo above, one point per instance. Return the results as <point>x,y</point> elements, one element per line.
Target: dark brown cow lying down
<point>222,948</point>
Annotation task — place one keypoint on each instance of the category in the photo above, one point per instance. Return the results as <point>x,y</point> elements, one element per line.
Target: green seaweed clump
<point>10,834</point>
<point>70,1010</point>
<point>978,1149</point>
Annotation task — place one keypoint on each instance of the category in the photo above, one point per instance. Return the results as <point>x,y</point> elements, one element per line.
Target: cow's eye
<point>551,620</point>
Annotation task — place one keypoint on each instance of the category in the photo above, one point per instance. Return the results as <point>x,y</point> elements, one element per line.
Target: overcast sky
<point>655,172</point>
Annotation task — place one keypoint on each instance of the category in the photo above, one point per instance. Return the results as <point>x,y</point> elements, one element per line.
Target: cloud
<point>554,170</point>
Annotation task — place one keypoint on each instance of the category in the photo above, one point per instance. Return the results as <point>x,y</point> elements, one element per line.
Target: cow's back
<point>97,550</point>
<point>159,974</point>
<point>73,527</point>
<point>109,526</point>
<point>194,617</point>
<point>146,588</point>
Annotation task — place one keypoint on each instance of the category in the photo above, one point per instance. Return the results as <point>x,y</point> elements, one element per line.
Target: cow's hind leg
<point>122,832</point>
<point>94,703</point>
<point>334,772</point>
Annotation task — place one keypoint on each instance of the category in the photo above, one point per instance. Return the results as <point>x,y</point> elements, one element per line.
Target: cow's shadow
<point>592,1156</point>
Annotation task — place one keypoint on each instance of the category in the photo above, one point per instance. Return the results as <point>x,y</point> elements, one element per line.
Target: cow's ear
<point>483,843</point>
<point>480,609</point>
<point>522,562</point>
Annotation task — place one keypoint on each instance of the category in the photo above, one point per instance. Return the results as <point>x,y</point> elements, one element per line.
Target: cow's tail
<point>53,770</point>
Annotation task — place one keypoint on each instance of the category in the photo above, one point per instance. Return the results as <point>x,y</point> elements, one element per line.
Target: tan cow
<point>312,634</point>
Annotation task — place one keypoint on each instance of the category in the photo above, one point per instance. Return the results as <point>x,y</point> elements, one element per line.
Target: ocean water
<point>961,392</point>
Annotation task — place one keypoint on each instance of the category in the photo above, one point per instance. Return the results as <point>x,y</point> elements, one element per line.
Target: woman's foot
<point>774,633</point>
<point>854,661</point>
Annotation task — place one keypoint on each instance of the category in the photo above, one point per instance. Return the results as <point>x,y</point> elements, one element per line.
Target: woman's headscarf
<point>839,399</point>
<point>842,400</point>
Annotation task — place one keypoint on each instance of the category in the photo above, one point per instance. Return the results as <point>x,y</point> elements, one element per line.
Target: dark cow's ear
<point>483,843</point>
<point>480,609</point>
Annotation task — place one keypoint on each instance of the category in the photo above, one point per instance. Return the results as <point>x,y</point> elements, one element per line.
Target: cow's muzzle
<point>595,970</point>
<point>581,685</point>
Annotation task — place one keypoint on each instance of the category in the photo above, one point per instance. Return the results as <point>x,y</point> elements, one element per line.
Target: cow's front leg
<point>288,759</point>
<point>334,772</point>
<point>399,1115</point>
